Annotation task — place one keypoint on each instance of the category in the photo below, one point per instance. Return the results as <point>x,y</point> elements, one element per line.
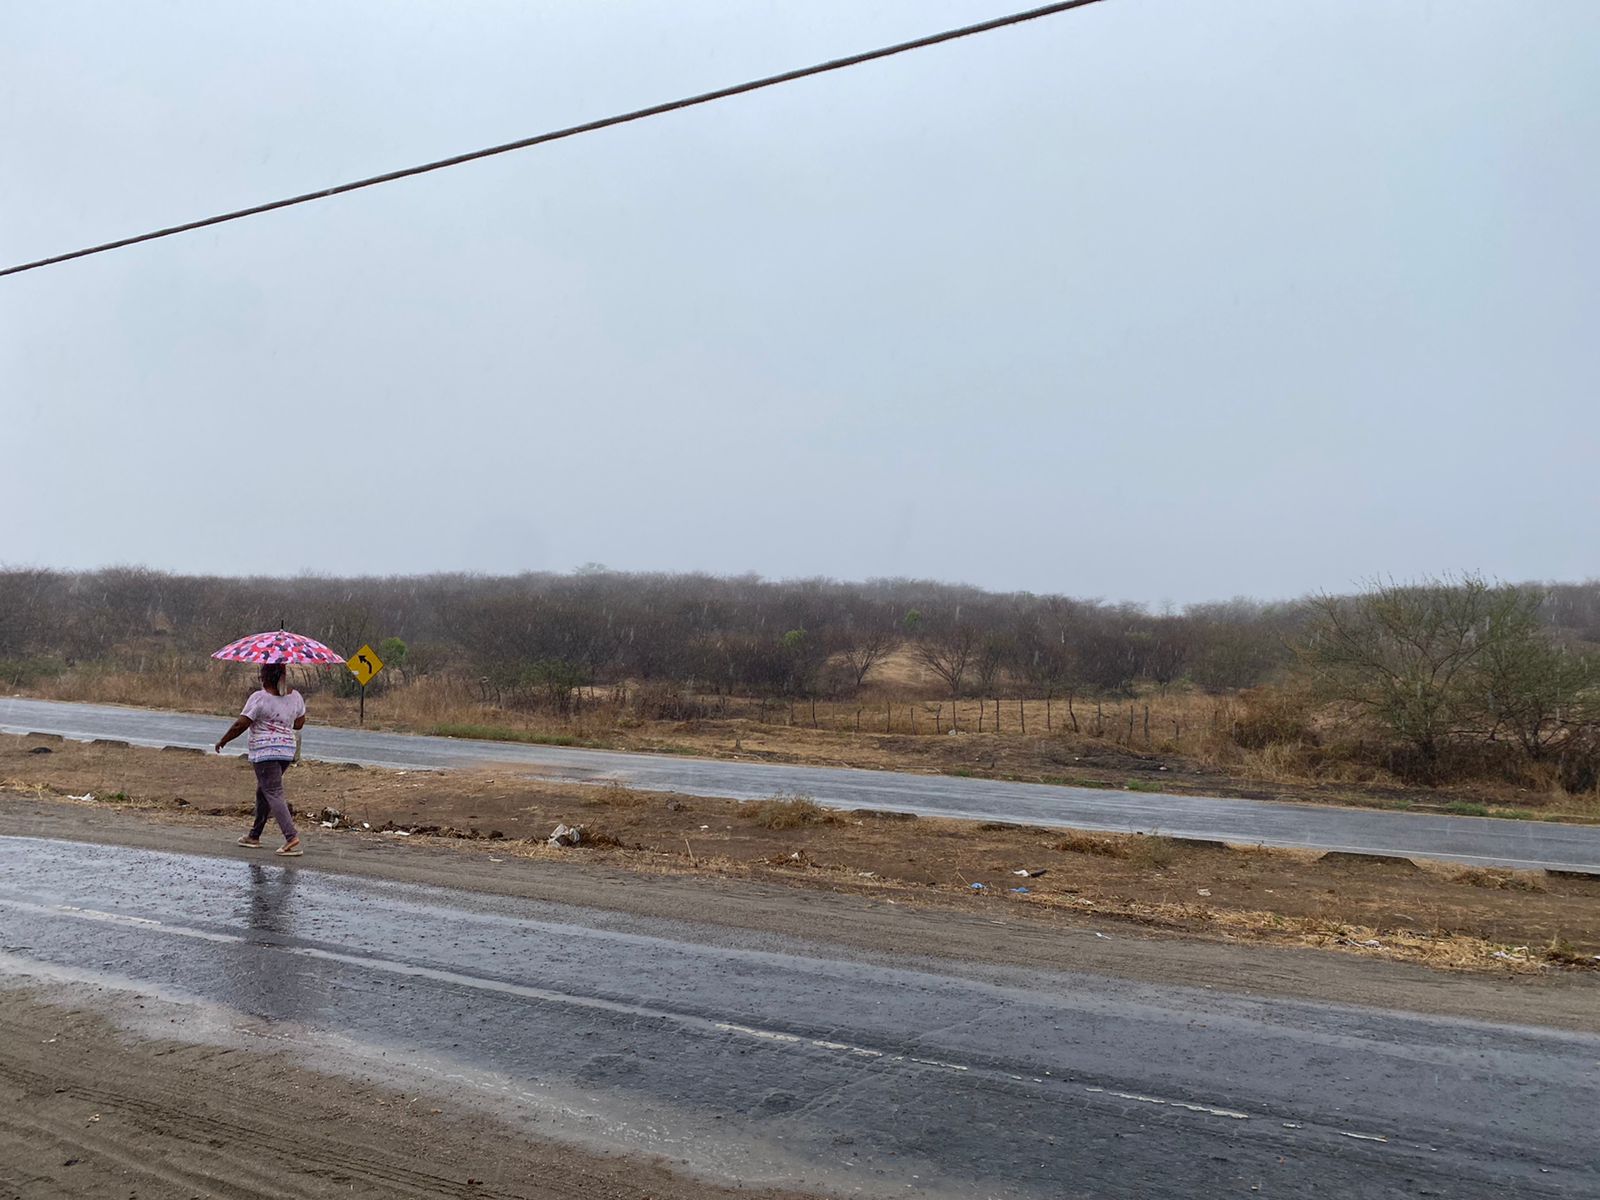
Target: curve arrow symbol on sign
<point>366,660</point>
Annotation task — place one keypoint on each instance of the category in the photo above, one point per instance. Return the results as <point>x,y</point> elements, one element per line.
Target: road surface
<point>1478,840</point>
<point>771,1060</point>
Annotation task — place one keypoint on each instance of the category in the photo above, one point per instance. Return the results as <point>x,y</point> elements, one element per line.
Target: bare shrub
<point>617,795</point>
<point>663,701</point>
<point>1088,843</point>
<point>1273,716</point>
<point>1152,850</point>
<point>788,812</point>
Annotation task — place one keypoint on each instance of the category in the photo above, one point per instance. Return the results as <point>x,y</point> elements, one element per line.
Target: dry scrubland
<point>1454,694</point>
<point>1176,739</point>
<point>1441,915</point>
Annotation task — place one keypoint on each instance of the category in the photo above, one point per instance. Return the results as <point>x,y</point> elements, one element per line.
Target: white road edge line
<point>1231,1114</point>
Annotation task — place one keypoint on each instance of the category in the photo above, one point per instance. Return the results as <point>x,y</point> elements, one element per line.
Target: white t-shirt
<point>272,733</point>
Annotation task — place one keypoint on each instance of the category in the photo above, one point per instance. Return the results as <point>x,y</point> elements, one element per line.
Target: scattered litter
<point>492,858</point>
<point>1204,892</point>
<point>85,796</point>
<point>403,832</point>
<point>566,835</point>
<point>1363,1137</point>
<point>1024,871</point>
<point>1022,890</point>
<point>1102,936</point>
<point>867,874</point>
<point>1293,1125</point>
<point>94,1118</point>
<point>795,857</point>
<point>41,750</point>
<point>705,827</point>
<point>330,824</point>
<point>977,887</point>
<point>366,825</point>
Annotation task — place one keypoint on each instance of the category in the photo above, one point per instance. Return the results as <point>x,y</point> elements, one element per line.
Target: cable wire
<point>638,114</point>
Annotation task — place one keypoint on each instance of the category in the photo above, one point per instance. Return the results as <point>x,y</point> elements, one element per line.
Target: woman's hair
<point>272,675</point>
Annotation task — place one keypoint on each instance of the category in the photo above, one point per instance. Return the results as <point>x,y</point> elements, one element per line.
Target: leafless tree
<point>948,652</point>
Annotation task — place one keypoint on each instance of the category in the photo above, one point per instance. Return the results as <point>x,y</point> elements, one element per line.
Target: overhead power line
<point>638,114</point>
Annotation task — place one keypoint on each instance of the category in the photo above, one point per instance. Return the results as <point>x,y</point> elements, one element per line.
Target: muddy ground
<point>1438,914</point>
<point>88,1110</point>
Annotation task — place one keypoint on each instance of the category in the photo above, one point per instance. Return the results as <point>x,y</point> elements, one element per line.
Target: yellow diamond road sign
<point>364,664</point>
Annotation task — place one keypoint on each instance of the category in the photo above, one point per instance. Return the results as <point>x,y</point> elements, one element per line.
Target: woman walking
<point>272,715</point>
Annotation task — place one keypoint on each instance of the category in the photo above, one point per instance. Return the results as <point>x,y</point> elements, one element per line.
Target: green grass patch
<point>1466,808</point>
<point>25,672</point>
<point>1074,781</point>
<point>499,733</point>
<point>1141,785</point>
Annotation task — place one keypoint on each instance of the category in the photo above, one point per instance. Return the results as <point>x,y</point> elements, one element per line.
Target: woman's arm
<point>234,731</point>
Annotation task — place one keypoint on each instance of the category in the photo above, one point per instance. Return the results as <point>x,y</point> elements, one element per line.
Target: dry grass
<point>1195,737</point>
<point>788,812</point>
<point>617,795</point>
<point>1089,843</point>
<point>1495,877</point>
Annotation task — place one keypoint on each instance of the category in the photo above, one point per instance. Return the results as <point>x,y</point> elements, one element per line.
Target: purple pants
<point>269,799</point>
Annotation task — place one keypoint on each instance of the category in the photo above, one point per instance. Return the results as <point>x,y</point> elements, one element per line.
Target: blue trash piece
<point>1024,891</point>
<point>977,887</point>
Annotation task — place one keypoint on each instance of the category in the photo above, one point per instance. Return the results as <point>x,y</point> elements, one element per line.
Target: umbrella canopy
<point>280,646</point>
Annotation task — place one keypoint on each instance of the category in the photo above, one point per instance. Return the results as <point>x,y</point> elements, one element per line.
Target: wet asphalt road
<point>757,1058</point>
<point>1488,841</point>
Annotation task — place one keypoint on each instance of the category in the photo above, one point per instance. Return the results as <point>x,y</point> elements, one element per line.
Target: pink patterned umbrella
<point>279,646</point>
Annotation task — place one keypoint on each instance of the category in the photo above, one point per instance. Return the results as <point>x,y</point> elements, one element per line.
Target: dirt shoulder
<point>1272,920</point>
<point>890,737</point>
<point>87,1110</point>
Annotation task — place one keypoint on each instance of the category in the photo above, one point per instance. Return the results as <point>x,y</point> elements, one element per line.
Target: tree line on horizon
<point>1436,665</point>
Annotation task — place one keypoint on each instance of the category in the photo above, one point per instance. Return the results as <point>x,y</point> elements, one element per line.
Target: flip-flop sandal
<point>290,849</point>
<point>250,842</point>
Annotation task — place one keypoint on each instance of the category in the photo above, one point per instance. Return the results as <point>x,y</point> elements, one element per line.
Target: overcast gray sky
<point>1159,300</point>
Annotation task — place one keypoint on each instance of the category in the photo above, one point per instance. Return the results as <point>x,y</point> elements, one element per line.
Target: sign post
<point>364,664</point>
